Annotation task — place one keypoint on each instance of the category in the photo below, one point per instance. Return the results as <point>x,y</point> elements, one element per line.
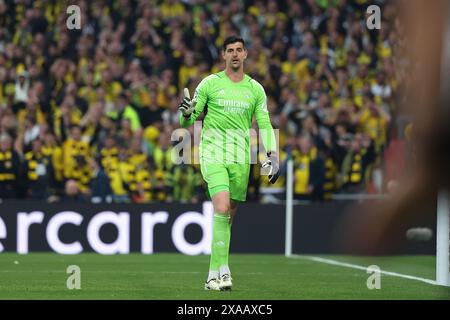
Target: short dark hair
<point>231,40</point>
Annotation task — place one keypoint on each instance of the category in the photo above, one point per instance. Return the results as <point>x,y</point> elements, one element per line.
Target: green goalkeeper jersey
<point>229,108</point>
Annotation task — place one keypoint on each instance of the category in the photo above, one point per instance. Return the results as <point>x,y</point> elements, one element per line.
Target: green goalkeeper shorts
<point>231,177</point>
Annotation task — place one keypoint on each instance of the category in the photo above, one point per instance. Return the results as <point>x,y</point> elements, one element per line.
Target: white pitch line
<point>355,266</point>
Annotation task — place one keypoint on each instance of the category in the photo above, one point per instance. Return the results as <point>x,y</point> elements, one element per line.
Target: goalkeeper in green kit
<point>229,99</point>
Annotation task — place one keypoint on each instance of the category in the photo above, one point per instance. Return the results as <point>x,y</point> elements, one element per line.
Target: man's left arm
<point>267,134</point>
<point>263,120</point>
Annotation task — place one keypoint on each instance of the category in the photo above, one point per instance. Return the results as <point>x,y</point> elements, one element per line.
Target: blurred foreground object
<point>381,228</point>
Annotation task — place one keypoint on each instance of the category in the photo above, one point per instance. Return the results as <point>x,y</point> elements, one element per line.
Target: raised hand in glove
<point>187,105</point>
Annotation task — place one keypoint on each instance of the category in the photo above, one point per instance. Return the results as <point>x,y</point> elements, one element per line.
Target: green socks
<point>220,241</point>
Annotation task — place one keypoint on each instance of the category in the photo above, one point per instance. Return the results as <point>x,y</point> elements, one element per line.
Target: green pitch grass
<point>174,276</point>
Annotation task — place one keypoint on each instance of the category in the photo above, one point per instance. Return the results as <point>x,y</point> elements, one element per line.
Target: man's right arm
<point>200,99</point>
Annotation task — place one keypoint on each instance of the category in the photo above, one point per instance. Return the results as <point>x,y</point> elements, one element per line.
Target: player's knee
<point>223,208</point>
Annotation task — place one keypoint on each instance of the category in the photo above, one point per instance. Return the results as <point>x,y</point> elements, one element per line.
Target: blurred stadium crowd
<point>87,115</point>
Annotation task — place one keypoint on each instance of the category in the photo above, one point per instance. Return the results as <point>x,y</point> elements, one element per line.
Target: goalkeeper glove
<point>274,167</point>
<point>187,105</point>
